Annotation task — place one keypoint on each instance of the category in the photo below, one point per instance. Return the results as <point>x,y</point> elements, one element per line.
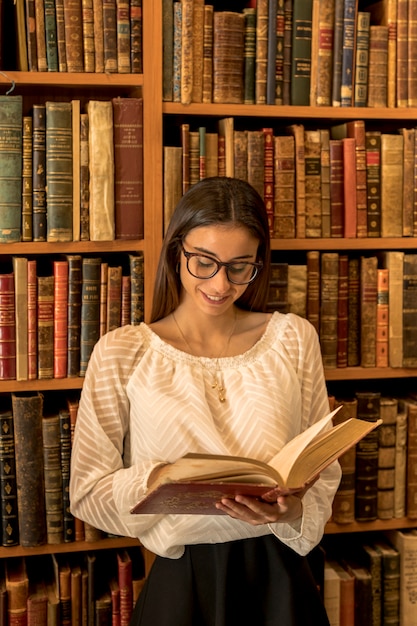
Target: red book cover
<point>7,328</point>
<point>349,188</point>
<point>32,321</point>
<point>124,569</point>
<point>60,318</point>
<point>337,207</point>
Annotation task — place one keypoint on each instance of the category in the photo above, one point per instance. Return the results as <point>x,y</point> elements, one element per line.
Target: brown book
<point>329,279</point>
<point>384,13</point>
<point>347,594</point>
<point>98,16</point>
<point>122,36</point>
<point>382,318</point>
<point>37,603</point>
<point>387,433</point>
<point>30,31</point>
<point>402,53</point>
<point>392,147</point>
<point>240,154</point>
<point>412,53</point>
<point>88,35</point>
<point>408,135</point>
<point>60,327</point>
<point>40,36</point>
<point>54,510</point>
<point>323,91</point>
<point>313,288</point>
<point>361,60</point>
<point>312,154</point>
<point>207,89</point>
<point>185,145</point>
<point>60,36</point>
<point>410,405</point>
<point>297,289</point>
<point>353,346</point>
<point>378,63</point>
<point>356,130</point>
<point>136,23</point>
<point>114,297</point>
<point>187,52</point>
<point>198,43</point>
<point>17,586</point>
<point>124,579</point>
<point>288,13</point>
<point>110,36</point>
<point>350,214</point>
<point>373,182</point>
<point>261,54</point>
<point>20,271</point>
<point>284,188</point>
<point>250,54</point>
<point>212,154</point>
<point>393,260</point>
<point>400,488</point>
<point>128,167</point>
<point>27,174</point>
<point>228,55</point>
<point>45,315</point>
<point>76,594</point>
<point>172,181</point>
<point>331,592</point>
<point>343,311</point>
<point>73,21</point>
<point>343,507</point>
<point>8,486</point>
<point>325,182</point>
<point>297,130</point>
<point>136,265</point>
<point>76,168</point>
<point>366,485</point>
<point>363,591</point>
<point>194,138</point>
<point>269,183</point>
<point>409,310</point>
<point>368,300</point>
<point>390,579</point>
<point>198,480</point>
<point>337,194</point>
<point>27,416</point>
<point>62,572</point>
<point>256,160</point>
<point>126,297</point>
<point>278,287</point>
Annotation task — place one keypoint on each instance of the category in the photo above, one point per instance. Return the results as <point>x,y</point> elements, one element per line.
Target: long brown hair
<point>212,201</point>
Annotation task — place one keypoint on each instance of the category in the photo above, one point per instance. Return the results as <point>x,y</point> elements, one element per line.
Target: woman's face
<point>224,243</point>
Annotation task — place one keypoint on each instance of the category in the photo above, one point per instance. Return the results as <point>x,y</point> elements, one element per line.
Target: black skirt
<point>252,582</point>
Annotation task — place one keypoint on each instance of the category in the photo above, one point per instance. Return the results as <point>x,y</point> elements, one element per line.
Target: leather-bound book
<point>11,120</point>
<point>382,318</point>
<point>54,511</point>
<point>409,310</point>
<point>343,311</point>
<point>114,297</point>
<point>60,35</point>
<point>228,51</point>
<point>409,404</point>
<point>124,577</point>
<point>128,167</point>
<point>115,600</point>
<point>59,176</point>
<point>408,180</point>
<point>76,168</point>
<point>343,507</point>
<point>271,51</point>
<point>177,52</point>
<point>368,300</point>
<point>337,52</point>
<point>32,313</point>
<point>288,17</point>
<point>378,61</point>
<point>256,160</point>
<point>62,571</point>
<point>8,486</point>
<point>337,194</point>
<point>269,183</point>
<point>37,602</point>
<point>240,154</point>
<point>51,36</point>
<point>278,287</point>
<point>65,459</point>
<point>76,594</point>
<point>103,609</point>
<point>39,172</point>
<point>412,54</point>
<point>384,13</point>
<point>45,315</point>
<point>373,182</point>
<point>353,346</point>
<point>402,53</point>
<point>348,52</point>
<point>27,416</point>
<point>122,36</point>
<point>284,189</point>
<point>8,327</point>
<point>350,214</point>
<point>301,52</point>
<point>297,130</point>
<point>400,487</point>
<point>187,52</point>
<point>390,605</point>
<point>84,179</point>
<point>207,88</point>
<point>356,130</point>
<point>313,288</point>
<point>185,145</point>
<point>126,296</point>
<point>20,270</point>
<point>393,260</point>
<point>60,335</point>
<point>198,43</point>
<point>366,486</point>
<point>3,594</point>
<point>27,208</point>
<point>74,314</point>
<point>297,289</point>
<point>136,288</point>
<point>371,558</point>
<point>312,153</point>
<point>325,182</point>
<point>90,309</point>
<point>361,50</point>
<point>101,164</point>
<point>17,586</point>
<point>172,181</point>
<point>249,55</point>
<point>329,279</point>
<point>261,54</point>
<point>104,287</point>
<point>98,17</point>
<point>279,57</point>
<point>392,147</point>
<point>387,433</point>
<point>194,137</point>
<point>40,35</point>
<point>73,21</point>
<point>323,91</point>
<point>136,55</point>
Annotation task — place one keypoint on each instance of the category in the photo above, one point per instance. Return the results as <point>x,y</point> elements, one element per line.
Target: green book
<point>11,131</point>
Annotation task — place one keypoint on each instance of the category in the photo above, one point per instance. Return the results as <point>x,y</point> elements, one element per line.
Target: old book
<point>313,288</point>
<point>392,147</point>
<point>11,119</point>
<point>279,53</point>
<point>342,311</point>
<point>98,15</point>
<point>356,129</point>
<point>353,312</point>
<point>54,512</point>
<point>177,52</point>
<point>412,53</point>
<point>337,53</point>
<point>39,172</point>
<point>84,179</point>
<point>297,130</point>
<point>271,51</point>
<point>386,457</point>
<point>17,586</point>
<point>65,459</point>
<point>168,49</point>
<point>325,182</point>
<point>373,182</point>
<point>378,61</point>
<point>402,53</point>
<point>110,36</point>
<point>40,35</point>
<point>45,315</point>
<point>59,176</point>
<point>269,182</point>
<point>60,327</point>
<point>261,51</point>
<point>408,135</point>
<point>363,591</point>
<point>76,168</point>
<point>37,602</point>
<point>370,557</point>
<point>76,593</point>
<point>73,21</point>
<point>393,260</point>
<point>284,189</point>
<point>390,600</point>
<point>323,89</point>
<point>60,35</point>
<point>187,52</point>
<point>331,593</point>
<point>382,318</point>
<point>128,167</point>
<point>337,194</point>
<point>8,486</point>
<point>27,207</point>
<point>125,305</point>
<point>198,44</point>
<point>122,36</point>
<point>30,31</point>
<point>384,12</point>
<point>74,314</point>
<point>207,87</point>
<point>194,137</point>
<point>329,279</point>
<point>20,270</point>
<point>101,165</point>
<point>297,289</point>
<point>345,582</point>
<point>3,594</point>
<point>90,309</point>
<point>21,36</point>
<point>27,416</point>
<point>136,24</point>
<point>278,287</point>
<point>366,484</point>
<point>172,181</point>
<point>368,300</point>
<point>301,52</point>
<point>114,297</point>
<point>124,580</point>
<point>32,313</point>
<point>226,131</point>
<point>360,81</point>
<point>240,154</point>
<point>256,160</point>
<point>88,35</point>
<point>409,310</point>
<point>410,405</point>
<point>405,542</point>
<point>312,154</point>
<point>350,215</point>
<point>199,480</point>
<point>288,20</point>
<point>249,55</point>
<point>8,328</point>
<point>343,507</point>
<point>348,52</point>
<point>62,576</point>
<point>104,286</point>
<point>400,462</point>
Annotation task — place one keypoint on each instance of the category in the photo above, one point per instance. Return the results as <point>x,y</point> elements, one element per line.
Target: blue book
<point>348,54</point>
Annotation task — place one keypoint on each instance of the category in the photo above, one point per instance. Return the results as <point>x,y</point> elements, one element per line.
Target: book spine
<point>378,61</point>
<point>27,207</point>
<point>114,297</point>
<point>40,35</point>
<point>312,154</point>
<point>98,16</point>
<point>60,35</point>
<point>110,35</point>
<point>373,182</point>
<point>343,508</point>
<point>187,52</point>
<point>51,36</point>
<point>228,55</point>
<point>337,194</point>
<point>198,43</point>
<point>74,315</point>
<point>65,452</point>
<point>73,21</point>
<point>20,270</point>
<point>11,121</point>
<point>386,457</point>
<point>337,53</point>
<point>367,459</point>
<point>360,83</point>
<point>90,309</point>
<point>348,47</point>
<point>88,35</point>
<point>53,479</point>
<point>32,53</point>
<point>84,179</point>
<point>353,312</point>
<point>8,485</point>
<point>301,52</point>
<point>7,328</point>
<point>177,53</point>
<point>60,338</point>
<point>261,54</point>
<point>392,147</point>
<point>207,88</point>
<point>329,278</point>
<point>39,172</point>
<point>271,52</point>
<point>287,66</point>
<point>409,317</point>
<point>137,288</point>
<point>382,318</point>
<point>368,299</point>
<point>32,306</point>
<point>123,36</point>
<point>325,53</point>
<point>45,315</point>
<point>342,311</point>
<point>356,130</point>
<point>402,53</point>
<point>284,187</point>
<point>136,52</point>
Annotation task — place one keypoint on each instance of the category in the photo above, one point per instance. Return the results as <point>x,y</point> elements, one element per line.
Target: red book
<point>336,188</point>
<point>382,318</point>
<point>60,318</point>
<point>124,569</point>
<point>349,187</point>
<point>356,130</point>
<point>342,311</point>
<point>269,176</point>
<point>128,167</point>
<point>7,328</point>
<point>32,320</point>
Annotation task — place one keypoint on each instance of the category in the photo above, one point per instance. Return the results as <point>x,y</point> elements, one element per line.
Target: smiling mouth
<point>215,298</point>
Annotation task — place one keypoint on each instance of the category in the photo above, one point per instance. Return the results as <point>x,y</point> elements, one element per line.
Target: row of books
<point>290,52</point>
<point>342,181</point>
<point>69,173</point>
<point>363,307</point>
<point>54,311</point>
<point>75,36</point>
<point>58,589</point>
<point>379,474</point>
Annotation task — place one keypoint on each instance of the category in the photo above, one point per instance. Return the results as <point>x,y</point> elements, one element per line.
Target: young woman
<point>212,372</point>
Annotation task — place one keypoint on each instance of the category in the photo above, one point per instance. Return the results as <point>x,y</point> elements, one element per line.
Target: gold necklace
<point>217,382</point>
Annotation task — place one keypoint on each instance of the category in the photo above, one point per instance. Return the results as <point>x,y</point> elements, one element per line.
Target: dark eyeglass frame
<point>256,267</point>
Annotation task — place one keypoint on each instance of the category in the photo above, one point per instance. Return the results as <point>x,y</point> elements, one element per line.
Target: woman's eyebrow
<point>208,253</point>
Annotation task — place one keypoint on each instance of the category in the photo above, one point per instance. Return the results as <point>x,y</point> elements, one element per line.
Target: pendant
<point>220,389</point>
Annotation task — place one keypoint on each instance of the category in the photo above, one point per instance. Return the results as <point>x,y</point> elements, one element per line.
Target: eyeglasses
<point>238,273</point>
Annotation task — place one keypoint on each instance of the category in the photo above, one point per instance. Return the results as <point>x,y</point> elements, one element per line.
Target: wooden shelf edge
<point>69,79</point>
<point>337,244</point>
<point>369,373</point>
<point>377,525</point>
<point>41,384</point>
<point>74,546</point>
<point>90,247</point>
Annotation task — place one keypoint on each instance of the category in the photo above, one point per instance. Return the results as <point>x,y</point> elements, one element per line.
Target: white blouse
<point>145,402</point>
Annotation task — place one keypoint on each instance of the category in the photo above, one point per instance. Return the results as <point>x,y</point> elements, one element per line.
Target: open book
<point>195,482</point>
